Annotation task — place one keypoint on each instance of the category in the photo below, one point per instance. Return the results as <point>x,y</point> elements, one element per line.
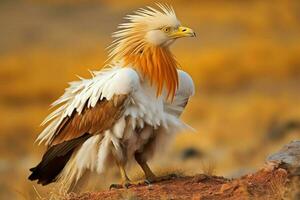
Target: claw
<point>115,186</point>
<point>148,181</point>
<point>120,186</point>
<point>127,185</point>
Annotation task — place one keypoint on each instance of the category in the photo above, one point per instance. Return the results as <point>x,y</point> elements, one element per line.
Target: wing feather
<point>90,105</point>
<point>92,120</point>
<point>185,90</point>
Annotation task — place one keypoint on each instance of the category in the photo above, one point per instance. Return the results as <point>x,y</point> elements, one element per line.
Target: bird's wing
<point>185,90</point>
<point>90,105</point>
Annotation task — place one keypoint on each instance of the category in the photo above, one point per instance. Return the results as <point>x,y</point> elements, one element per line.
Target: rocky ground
<point>278,179</point>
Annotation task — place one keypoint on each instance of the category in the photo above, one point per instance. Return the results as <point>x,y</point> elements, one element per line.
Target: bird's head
<point>142,42</point>
<point>159,27</point>
<point>148,27</point>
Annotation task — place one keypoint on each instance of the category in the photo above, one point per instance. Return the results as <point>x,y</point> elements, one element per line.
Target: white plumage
<point>143,108</point>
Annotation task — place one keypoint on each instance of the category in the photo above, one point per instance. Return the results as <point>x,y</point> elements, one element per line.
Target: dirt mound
<point>265,184</point>
<point>277,180</point>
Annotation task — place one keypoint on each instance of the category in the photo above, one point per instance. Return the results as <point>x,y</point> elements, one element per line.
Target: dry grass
<point>245,63</point>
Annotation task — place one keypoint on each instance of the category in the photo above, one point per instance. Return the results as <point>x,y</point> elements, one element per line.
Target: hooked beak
<point>183,32</point>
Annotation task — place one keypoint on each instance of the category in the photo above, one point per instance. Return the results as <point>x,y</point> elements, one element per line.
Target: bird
<point>126,111</point>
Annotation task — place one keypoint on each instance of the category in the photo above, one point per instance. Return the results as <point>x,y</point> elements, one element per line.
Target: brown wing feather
<point>93,120</point>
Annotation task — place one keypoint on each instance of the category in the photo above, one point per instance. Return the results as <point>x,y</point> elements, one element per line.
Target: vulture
<point>126,111</point>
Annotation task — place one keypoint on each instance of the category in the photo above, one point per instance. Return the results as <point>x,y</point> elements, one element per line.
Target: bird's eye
<point>166,29</point>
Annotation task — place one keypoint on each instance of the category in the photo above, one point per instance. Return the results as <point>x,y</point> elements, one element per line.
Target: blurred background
<point>245,62</point>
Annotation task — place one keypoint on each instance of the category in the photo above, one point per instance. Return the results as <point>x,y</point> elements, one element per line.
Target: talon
<point>127,185</point>
<point>115,186</point>
<point>168,177</point>
<point>148,182</point>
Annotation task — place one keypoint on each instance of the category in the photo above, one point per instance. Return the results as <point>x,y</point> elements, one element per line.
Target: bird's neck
<point>158,65</point>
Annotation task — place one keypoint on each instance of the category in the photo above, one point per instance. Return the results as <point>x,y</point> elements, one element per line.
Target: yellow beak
<point>183,32</point>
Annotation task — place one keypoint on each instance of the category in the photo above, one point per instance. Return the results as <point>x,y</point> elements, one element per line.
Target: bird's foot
<point>125,184</point>
<point>156,179</point>
<point>147,181</point>
<point>115,186</point>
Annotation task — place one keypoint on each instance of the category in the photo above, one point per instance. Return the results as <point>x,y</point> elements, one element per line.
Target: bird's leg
<point>149,175</point>
<point>124,177</point>
<point>125,180</point>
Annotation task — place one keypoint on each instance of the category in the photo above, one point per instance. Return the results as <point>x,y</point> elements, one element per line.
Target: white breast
<point>145,107</point>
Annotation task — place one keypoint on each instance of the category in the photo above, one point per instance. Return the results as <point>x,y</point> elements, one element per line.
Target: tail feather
<point>55,159</point>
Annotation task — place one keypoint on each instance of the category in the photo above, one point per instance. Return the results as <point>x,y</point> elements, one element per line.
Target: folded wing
<point>87,108</point>
<point>90,105</point>
<point>185,90</point>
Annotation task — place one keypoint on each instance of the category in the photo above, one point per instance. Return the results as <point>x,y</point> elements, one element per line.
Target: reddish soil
<point>268,183</point>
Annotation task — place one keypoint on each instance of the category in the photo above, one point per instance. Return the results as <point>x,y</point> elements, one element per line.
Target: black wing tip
<point>32,169</point>
<point>31,177</point>
<point>35,175</point>
<point>52,163</point>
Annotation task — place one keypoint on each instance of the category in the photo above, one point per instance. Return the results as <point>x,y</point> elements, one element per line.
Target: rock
<point>288,157</point>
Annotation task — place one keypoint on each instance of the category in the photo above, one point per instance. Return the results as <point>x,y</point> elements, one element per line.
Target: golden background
<point>245,62</point>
